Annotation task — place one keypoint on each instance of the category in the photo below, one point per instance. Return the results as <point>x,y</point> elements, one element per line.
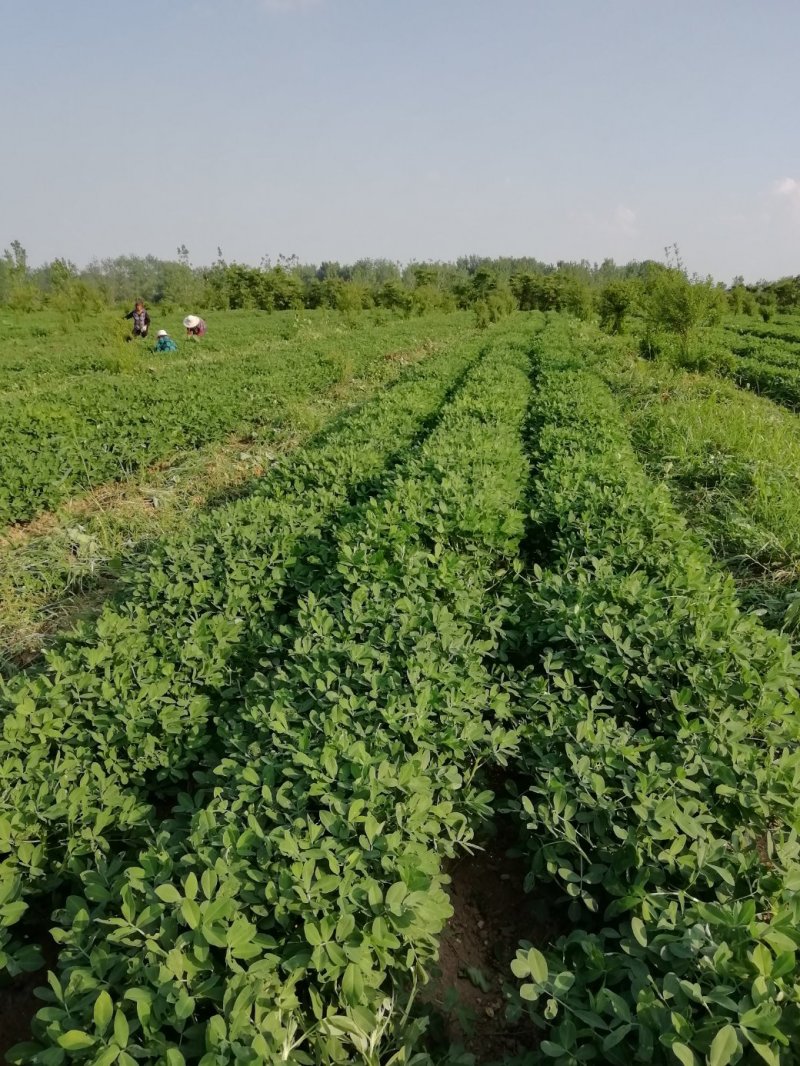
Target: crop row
<point>124,711</point>
<point>773,352</point>
<point>731,460</point>
<point>780,331</point>
<point>779,383</point>
<point>662,759</point>
<point>36,352</point>
<point>288,903</point>
<point>76,431</point>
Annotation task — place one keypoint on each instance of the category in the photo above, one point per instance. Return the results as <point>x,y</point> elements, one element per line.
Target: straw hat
<point>162,333</point>
<point>191,321</point>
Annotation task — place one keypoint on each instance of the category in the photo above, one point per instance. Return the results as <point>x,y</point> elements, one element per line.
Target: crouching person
<point>195,326</point>
<point>164,343</point>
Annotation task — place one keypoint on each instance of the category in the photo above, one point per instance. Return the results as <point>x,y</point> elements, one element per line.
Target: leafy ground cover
<point>65,563</point>
<point>241,792</point>
<point>767,357</point>
<point>779,383</point>
<point>784,328</point>
<point>662,764</point>
<point>302,882</point>
<point>732,463</point>
<point>773,351</point>
<point>124,707</point>
<point>67,427</point>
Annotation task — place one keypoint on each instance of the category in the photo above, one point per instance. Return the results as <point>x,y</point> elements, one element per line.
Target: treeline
<point>491,286</point>
<point>495,285</point>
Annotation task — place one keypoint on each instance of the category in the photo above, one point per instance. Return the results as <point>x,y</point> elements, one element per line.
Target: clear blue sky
<point>410,129</point>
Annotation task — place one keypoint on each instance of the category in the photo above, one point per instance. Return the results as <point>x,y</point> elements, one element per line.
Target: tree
<point>673,303</point>
<point>393,296</point>
<point>17,259</point>
<point>424,275</point>
<point>767,304</point>
<point>614,305</point>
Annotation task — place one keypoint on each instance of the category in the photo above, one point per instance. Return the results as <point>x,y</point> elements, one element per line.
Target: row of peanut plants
<point>779,383</point>
<point>287,908</point>
<point>785,329</point>
<point>765,363</point>
<point>123,711</point>
<point>658,791</point>
<point>775,352</point>
<point>65,432</point>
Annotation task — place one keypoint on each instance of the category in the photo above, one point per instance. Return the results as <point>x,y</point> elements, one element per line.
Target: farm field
<point>269,382</point>
<point>731,460</point>
<point>509,593</point>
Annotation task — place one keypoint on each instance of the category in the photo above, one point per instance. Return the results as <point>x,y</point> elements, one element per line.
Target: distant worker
<point>164,343</point>
<point>195,326</point>
<point>141,320</point>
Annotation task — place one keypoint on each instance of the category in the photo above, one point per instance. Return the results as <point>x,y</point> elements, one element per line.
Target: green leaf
<point>103,1011</point>
<point>537,964</point>
<point>478,978</point>
<point>683,1054</point>
<point>395,896</point>
<point>553,1051</point>
<point>764,1050</point>
<point>345,926</point>
<point>639,931</point>
<point>616,1036</point>
<point>353,984</point>
<point>75,1040</point>
<point>106,1057</point>
<point>191,912</point>
<point>168,893</point>
<point>121,1029</point>
<point>723,1047</point>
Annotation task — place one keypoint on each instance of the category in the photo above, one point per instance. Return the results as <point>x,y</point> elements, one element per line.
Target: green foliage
<point>283,907</point>
<point>204,603</point>
<point>495,306</point>
<point>674,304</point>
<point>615,303</point>
<point>394,297</point>
<point>243,783</point>
<point>767,304</point>
<point>552,292</point>
<point>780,383</point>
<point>24,296</point>
<point>111,409</point>
<point>74,300</point>
<point>731,461</point>
<point>664,763</point>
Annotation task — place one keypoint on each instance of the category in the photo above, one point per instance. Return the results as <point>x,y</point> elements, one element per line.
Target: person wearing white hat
<point>164,343</point>
<point>195,326</point>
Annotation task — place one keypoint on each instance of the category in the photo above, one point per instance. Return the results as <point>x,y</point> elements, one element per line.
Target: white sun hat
<point>191,321</point>
<point>162,333</point>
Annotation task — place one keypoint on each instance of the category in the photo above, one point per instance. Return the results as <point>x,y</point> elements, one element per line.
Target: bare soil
<point>467,1000</point>
<point>18,1003</point>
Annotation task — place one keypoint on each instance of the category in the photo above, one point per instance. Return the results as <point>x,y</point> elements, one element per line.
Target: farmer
<point>141,320</point>
<point>195,326</point>
<point>164,343</point>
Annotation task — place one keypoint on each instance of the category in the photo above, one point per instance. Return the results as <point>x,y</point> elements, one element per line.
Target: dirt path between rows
<point>467,1000</point>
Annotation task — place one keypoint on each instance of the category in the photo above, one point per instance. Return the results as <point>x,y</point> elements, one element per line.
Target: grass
<point>732,462</point>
